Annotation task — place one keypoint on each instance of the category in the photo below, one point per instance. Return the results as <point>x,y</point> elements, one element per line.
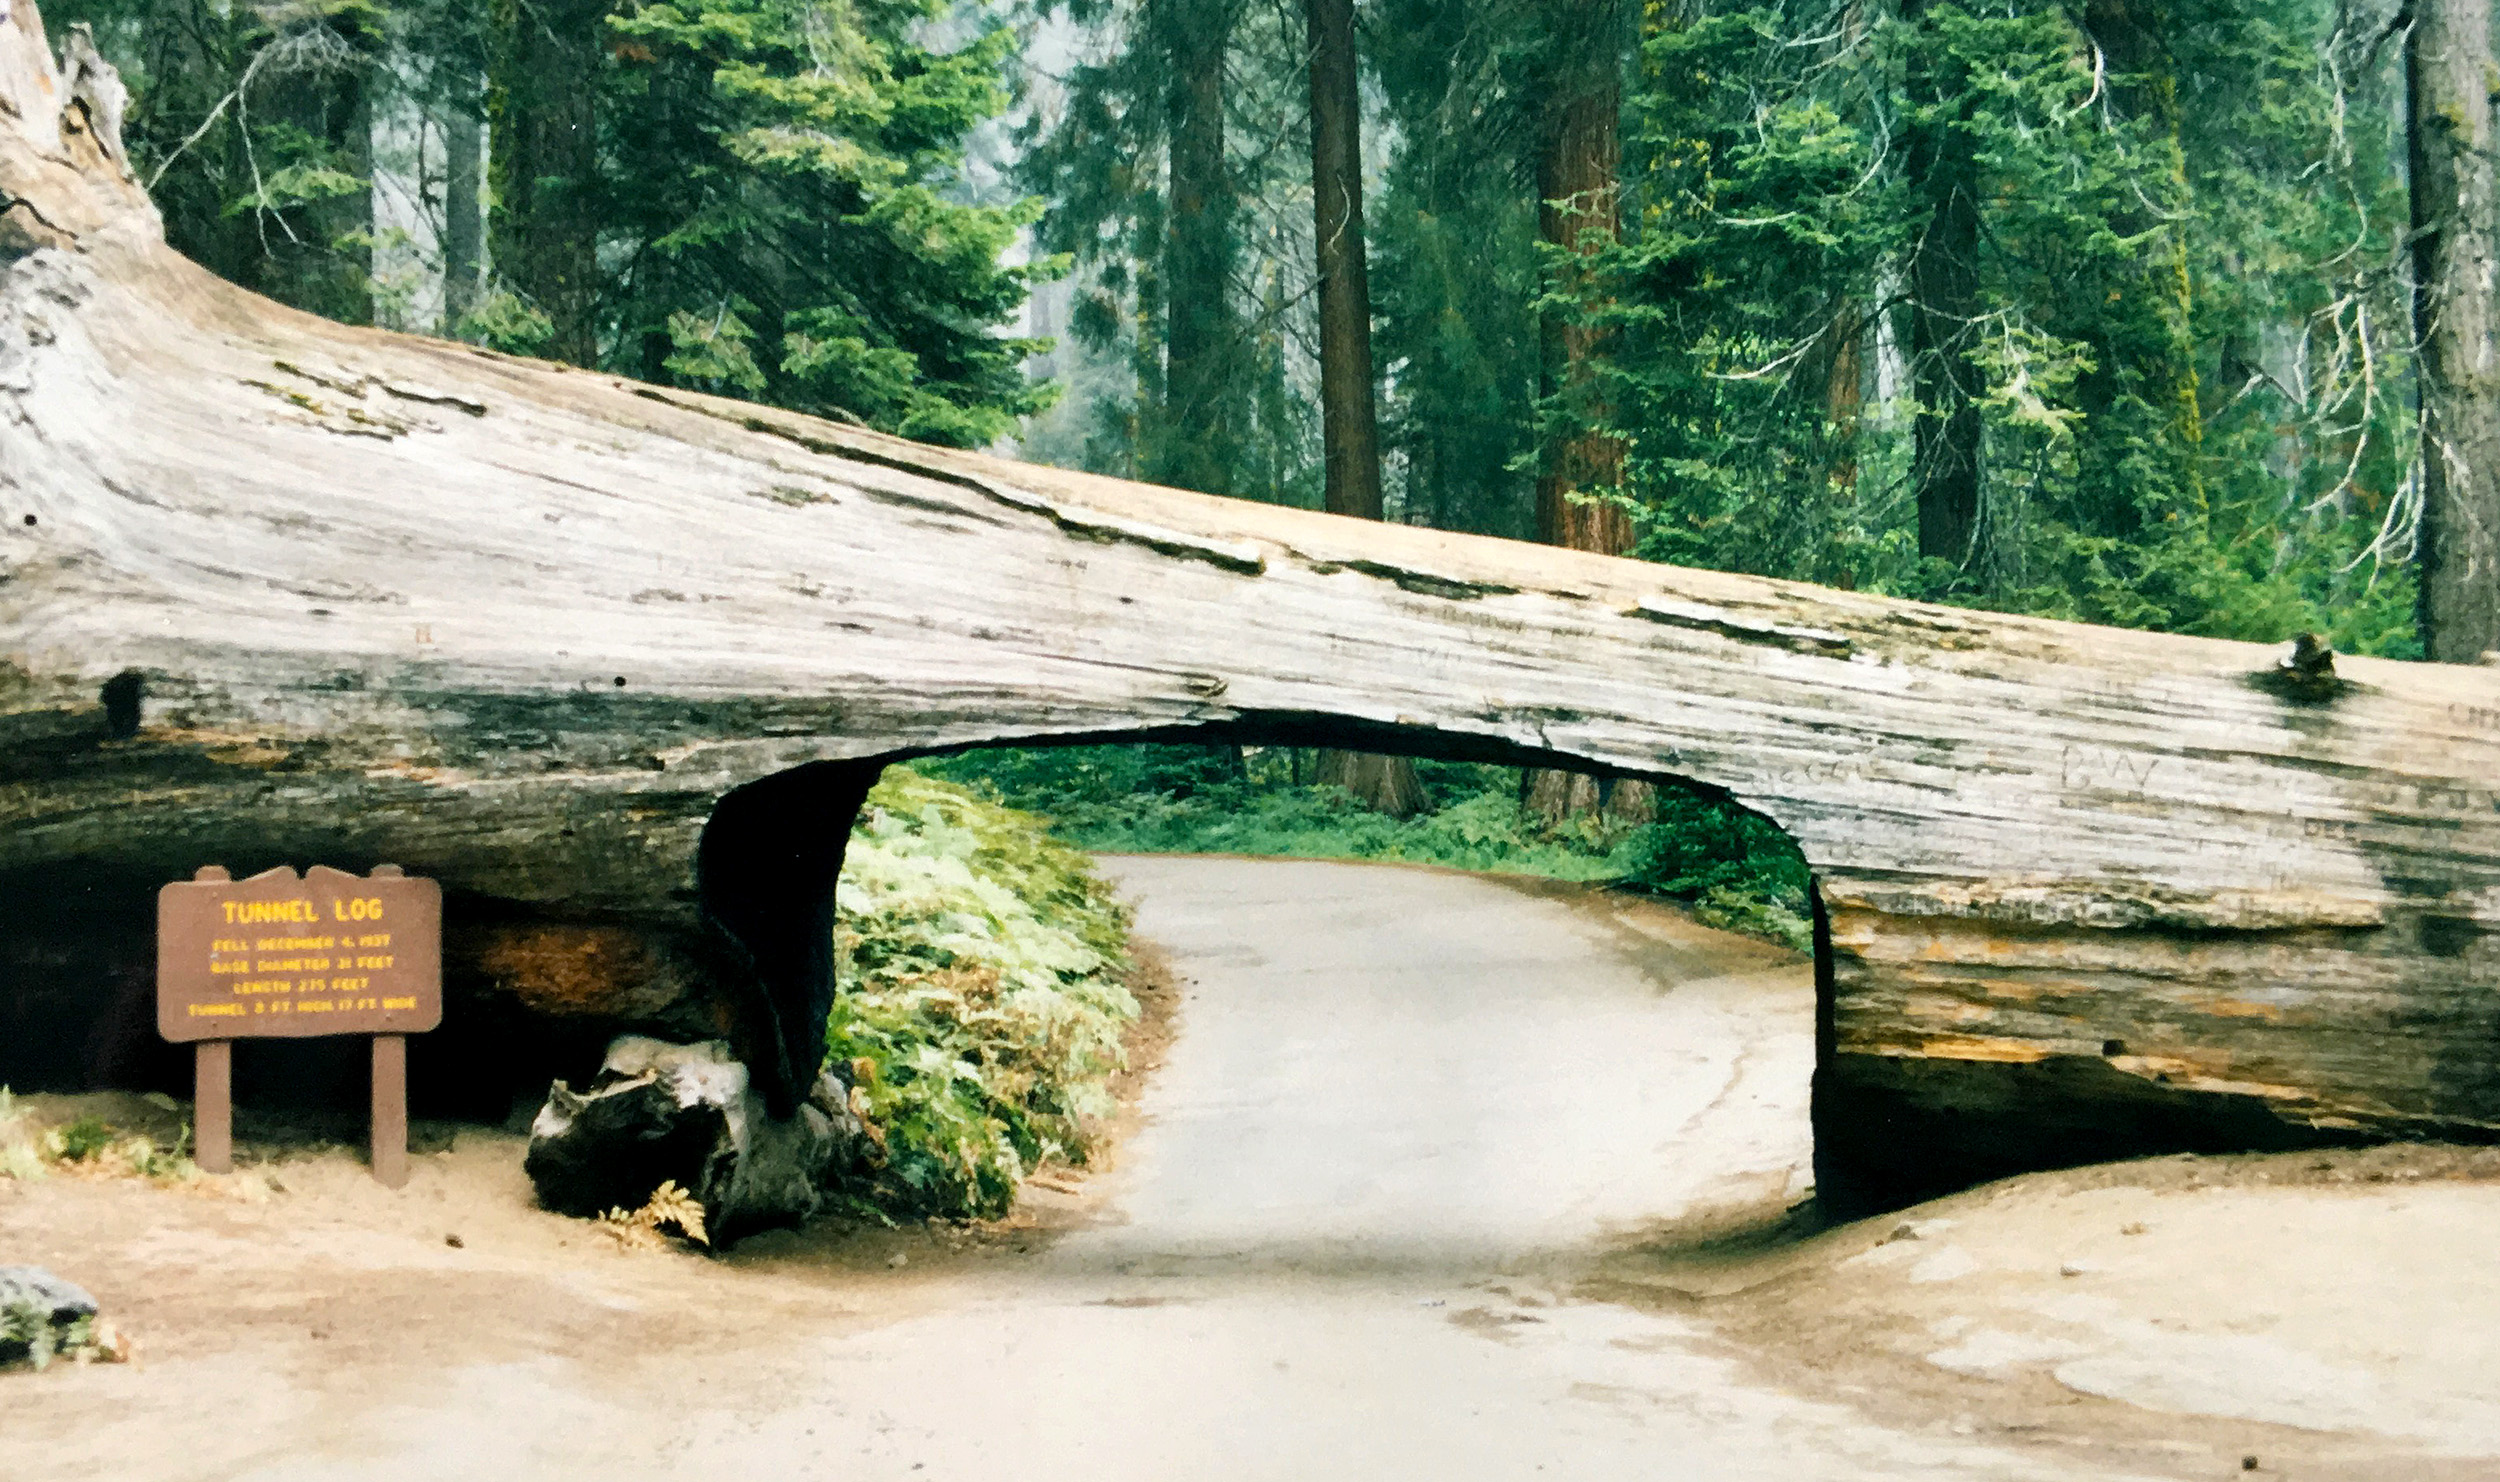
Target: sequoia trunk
<point>1193,444</point>
<point>542,105</point>
<point>1350,431</point>
<point>2448,66</point>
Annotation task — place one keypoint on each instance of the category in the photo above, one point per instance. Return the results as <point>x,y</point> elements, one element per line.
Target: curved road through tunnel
<point>1404,1110</point>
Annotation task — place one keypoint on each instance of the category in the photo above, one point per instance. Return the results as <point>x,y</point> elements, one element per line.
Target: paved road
<point>1404,1109</point>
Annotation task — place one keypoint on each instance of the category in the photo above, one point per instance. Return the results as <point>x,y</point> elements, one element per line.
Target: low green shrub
<point>983,968</point>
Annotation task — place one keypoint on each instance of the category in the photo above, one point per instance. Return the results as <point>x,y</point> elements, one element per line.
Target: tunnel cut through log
<point>278,590</point>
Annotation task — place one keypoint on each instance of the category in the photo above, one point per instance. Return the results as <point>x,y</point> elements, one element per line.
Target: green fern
<point>983,995</point>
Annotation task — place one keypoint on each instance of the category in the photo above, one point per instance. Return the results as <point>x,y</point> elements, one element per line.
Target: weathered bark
<point>279,590</point>
<point>542,107</point>
<point>2449,133</point>
<point>1577,191</point>
<point>1349,423</point>
<point>687,1114</point>
<point>1384,784</point>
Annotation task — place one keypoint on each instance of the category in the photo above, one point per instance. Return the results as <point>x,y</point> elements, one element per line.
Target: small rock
<point>2248,1463</point>
<point>455,1242</point>
<point>898,1260</point>
<point>2078,1268</point>
<point>2132,1227</point>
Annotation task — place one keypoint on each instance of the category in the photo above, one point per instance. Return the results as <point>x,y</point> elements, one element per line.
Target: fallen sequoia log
<point>615,663</point>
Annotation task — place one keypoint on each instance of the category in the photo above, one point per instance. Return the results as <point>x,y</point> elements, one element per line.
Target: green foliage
<point>88,1145</point>
<point>82,1139</point>
<point>2181,333</point>
<point>777,212</point>
<point>501,321</point>
<point>251,126</point>
<point>1733,866</point>
<point>1194,263</point>
<point>983,995</point>
<point>780,189</point>
<point>29,1325</point>
<point>1736,869</point>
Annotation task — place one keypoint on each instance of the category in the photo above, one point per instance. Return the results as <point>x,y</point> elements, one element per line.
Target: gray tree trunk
<point>2449,70</point>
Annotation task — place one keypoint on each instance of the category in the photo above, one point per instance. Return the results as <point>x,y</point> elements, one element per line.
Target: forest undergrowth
<point>1732,867</point>
<point>984,993</point>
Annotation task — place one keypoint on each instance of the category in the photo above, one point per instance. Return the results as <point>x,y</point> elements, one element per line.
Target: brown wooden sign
<point>286,956</point>
<point>282,955</point>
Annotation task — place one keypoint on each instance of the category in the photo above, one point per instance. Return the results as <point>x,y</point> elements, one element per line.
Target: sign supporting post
<point>212,1083</point>
<point>390,1109</point>
<point>212,1105</point>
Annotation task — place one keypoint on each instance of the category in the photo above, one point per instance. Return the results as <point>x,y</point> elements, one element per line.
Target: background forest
<point>2162,313</point>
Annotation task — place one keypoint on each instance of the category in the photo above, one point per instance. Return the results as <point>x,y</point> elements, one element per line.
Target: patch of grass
<point>982,1003</point>
<point>82,1140</point>
<point>90,1147</point>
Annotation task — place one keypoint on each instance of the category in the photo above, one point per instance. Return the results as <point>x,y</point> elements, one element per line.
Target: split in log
<point>277,590</point>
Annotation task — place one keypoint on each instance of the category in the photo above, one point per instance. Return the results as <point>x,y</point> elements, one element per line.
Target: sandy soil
<point>1437,1177</point>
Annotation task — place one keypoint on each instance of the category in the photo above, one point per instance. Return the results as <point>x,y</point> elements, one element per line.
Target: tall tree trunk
<point>540,105</point>
<point>1349,422</point>
<point>1193,446</point>
<point>464,211</point>
<point>1349,425</point>
<point>1944,302</point>
<point>1579,188</point>
<point>2448,66</point>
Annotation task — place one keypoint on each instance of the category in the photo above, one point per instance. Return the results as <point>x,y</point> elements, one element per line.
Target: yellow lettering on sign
<point>399,1003</point>
<point>363,908</point>
<point>216,1010</point>
<point>253,912</point>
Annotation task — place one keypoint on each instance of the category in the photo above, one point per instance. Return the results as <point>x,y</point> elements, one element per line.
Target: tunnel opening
<point>1253,789</point>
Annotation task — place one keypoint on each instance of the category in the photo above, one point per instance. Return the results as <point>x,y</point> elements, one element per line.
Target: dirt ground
<point>2311,1315</point>
<point>2315,1316</point>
